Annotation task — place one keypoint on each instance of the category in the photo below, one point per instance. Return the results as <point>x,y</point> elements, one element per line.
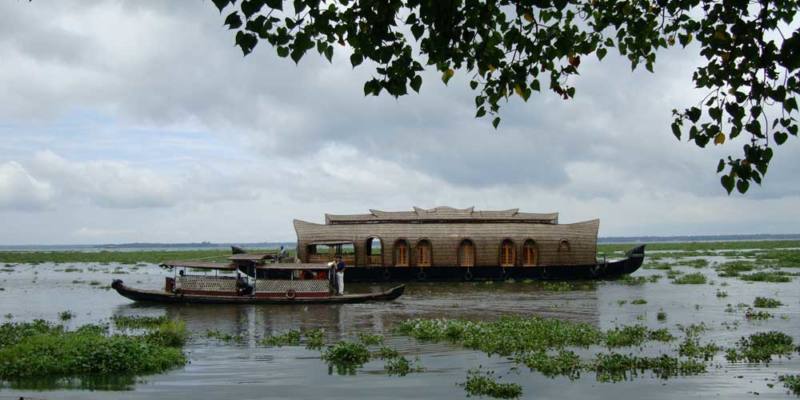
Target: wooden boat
<point>449,244</point>
<point>283,284</point>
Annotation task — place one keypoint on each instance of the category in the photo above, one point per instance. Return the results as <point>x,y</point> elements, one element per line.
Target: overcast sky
<point>125,121</point>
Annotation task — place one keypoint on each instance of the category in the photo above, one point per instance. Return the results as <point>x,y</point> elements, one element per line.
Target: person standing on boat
<point>281,254</point>
<point>340,267</point>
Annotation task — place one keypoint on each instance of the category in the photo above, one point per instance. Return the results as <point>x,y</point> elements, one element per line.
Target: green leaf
<point>481,112</point>
<point>676,130</point>
<point>233,20</point>
<point>276,4</point>
<point>329,53</point>
<point>473,84</point>
<point>416,83</point>
<point>221,4</point>
<point>727,183</point>
<point>780,137</point>
<point>417,31</point>
<point>250,7</point>
<point>356,58</point>
<point>742,186</point>
<point>601,53</point>
<point>495,122</point>
<point>282,51</point>
<point>693,113</point>
<point>246,41</point>
<point>721,165</point>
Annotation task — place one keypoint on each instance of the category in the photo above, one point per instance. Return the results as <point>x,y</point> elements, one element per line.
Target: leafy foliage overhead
<point>751,53</point>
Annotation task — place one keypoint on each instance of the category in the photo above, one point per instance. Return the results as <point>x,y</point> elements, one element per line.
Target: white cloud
<point>21,191</point>
<point>140,121</point>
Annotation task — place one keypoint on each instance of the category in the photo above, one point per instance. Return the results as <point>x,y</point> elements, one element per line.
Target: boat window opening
<point>466,254</point>
<point>507,254</point>
<point>319,253</point>
<point>401,253</point>
<point>530,253</point>
<point>374,252</point>
<point>564,246</point>
<point>424,253</point>
<point>348,253</point>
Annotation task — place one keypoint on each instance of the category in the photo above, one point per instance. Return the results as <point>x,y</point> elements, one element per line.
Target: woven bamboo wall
<point>445,239</point>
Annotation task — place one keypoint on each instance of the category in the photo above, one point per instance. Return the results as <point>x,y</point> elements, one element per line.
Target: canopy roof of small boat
<point>251,257</point>
<point>232,267</point>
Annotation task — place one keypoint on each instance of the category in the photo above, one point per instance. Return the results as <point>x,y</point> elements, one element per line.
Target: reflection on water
<point>248,371</point>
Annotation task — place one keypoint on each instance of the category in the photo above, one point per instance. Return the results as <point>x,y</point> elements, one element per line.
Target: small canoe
<point>163,296</point>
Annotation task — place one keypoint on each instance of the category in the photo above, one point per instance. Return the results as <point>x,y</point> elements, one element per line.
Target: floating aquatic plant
<point>483,383</point>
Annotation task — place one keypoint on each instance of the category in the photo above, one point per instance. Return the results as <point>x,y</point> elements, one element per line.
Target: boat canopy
<point>251,257</point>
<point>198,265</point>
<point>295,266</point>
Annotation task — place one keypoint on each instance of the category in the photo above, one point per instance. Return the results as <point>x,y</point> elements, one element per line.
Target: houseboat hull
<point>600,270</point>
<point>162,296</point>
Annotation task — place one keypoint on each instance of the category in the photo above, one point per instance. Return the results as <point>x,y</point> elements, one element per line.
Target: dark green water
<point>249,371</point>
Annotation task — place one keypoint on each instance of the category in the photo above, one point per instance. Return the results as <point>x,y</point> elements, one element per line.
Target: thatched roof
<point>442,214</point>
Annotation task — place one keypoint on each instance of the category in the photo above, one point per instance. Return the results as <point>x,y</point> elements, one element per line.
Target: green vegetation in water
<point>138,321</point>
<point>695,263</point>
<point>564,286</point>
<point>684,247</point>
<point>632,280</point>
<point>616,367</point>
<point>346,356</point>
<point>761,347</point>
<point>121,257</point>
<point>658,266</point>
<point>766,302</point>
<point>483,383</point>
<point>735,268</point>
<point>564,363</point>
<point>315,339</point>
<point>400,366</point>
<point>721,293</point>
<point>224,336</point>
<point>370,339</point>
<point>40,349</point>
<point>661,316</point>
<point>758,315</point>
<point>791,382</point>
<point>691,347</point>
<point>66,315</point>
<point>690,279</point>
<point>634,335</point>
<point>288,338</point>
<point>766,276</point>
<point>386,352</point>
<point>638,301</point>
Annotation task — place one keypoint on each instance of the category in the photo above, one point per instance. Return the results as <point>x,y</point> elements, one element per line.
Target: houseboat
<point>450,244</point>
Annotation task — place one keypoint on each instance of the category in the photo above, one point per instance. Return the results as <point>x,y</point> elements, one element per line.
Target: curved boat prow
<point>634,259</point>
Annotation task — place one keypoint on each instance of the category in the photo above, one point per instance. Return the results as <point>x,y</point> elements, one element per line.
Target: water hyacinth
<point>480,383</point>
<point>39,349</point>
<point>288,338</point>
<point>761,347</point>
<point>346,356</point>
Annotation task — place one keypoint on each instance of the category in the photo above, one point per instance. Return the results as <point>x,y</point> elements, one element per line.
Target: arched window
<point>374,252</point>
<point>564,246</point>
<point>530,253</point>
<point>508,255</point>
<point>401,253</point>
<point>466,253</point>
<point>424,253</point>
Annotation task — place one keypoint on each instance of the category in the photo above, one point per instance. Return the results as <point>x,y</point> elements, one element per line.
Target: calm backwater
<point>247,370</point>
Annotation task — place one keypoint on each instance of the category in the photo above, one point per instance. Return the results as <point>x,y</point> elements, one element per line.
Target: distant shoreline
<point>273,245</point>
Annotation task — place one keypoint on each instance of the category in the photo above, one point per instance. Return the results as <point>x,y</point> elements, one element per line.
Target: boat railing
<point>283,286</point>
<point>206,283</point>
